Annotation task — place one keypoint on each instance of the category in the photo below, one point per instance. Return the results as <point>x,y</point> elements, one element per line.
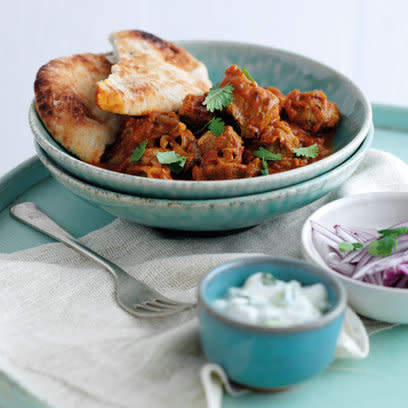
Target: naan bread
<point>151,75</point>
<point>64,98</point>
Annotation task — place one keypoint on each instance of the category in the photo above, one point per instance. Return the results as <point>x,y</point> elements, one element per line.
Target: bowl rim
<point>324,320</point>
<point>307,242</point>
<point>358,138</point>
<point>204,203</point>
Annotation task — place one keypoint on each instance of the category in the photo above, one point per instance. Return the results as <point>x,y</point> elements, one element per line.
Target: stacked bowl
<point>226,204</point>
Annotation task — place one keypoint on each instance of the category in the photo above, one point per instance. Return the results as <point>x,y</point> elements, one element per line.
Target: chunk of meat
<point>253,107</point>
<point>254,167</point>
<point>278,93</point>
<point>193,112</point>
<point>278,137</point>
<point>323,141</point>
<point>311,110</point>
<point>221,156</point>
<point>148,166</point>
<point>163,132</point>
<point>229,145</point>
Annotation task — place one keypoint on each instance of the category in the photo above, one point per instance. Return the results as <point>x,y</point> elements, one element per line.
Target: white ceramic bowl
<point>378,210</point>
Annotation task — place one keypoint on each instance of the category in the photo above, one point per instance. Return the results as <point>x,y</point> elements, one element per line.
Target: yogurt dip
<point>266,301</point>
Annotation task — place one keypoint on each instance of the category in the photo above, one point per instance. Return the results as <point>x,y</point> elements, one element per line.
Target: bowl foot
<point>264,390</point>
<point>200,234</point>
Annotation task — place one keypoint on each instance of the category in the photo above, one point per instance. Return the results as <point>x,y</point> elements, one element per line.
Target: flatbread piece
<point>150,75</point>
<point>64,97</point>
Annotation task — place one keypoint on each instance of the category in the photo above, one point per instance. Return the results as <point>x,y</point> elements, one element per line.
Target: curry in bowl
<point>255,131</point>
<point>154,114</point>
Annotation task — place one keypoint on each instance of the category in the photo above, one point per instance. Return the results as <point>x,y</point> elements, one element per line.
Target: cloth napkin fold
<point>63,337</point>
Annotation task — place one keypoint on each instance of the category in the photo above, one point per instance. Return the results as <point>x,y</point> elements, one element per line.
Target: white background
<point>365,39</point>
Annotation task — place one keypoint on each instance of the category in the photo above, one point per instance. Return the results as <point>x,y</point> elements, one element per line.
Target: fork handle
<point>31,215</point>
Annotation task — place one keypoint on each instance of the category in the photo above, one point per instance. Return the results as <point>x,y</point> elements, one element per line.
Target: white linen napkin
<point>63,337</point>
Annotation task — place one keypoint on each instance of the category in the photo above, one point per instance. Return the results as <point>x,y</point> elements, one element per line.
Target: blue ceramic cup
<point>269,359</point>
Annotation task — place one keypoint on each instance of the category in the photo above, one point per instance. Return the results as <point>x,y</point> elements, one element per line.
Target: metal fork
<point>132,295</point>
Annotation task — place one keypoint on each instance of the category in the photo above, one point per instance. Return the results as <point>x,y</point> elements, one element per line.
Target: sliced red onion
<point>390,271</point>
<point>369,279</point>
<point>355,256</point>
<point>378,278</point>
<point>323,231</point>
<point>391,277</point>
<point>368,259</point>
<point>365,259</point>
<point>402,283</point>
<point>334,261</point>
<point>380,264</point>
<point>365,234</point>
<point>344,235</point>
<point>402,268</point>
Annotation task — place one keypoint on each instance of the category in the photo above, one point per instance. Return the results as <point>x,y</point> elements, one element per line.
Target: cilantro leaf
<point>268,279</point>
<point>309,152</point>
<point>265,170</point>
<point>265,154</point>
<point>384,246</point>
<point>170,157</point>
<point>176,168</point>
<point>175,161</point>
<point>219,98</point>
<point>397,231</point>
<point>387,243</point>
<point>138,152</point>
<point>247,74</point>
<point>216,126</point>
<point>350,246</point>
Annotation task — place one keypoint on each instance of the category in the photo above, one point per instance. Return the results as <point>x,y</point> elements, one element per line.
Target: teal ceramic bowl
<point>208,215</point>
<point>268,66</point>
<point>269,359</point>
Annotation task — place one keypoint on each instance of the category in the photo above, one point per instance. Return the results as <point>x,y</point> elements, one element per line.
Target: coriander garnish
<point>218,97</point>
<point>216,126</point>
<point>265,170</point>
<point>247,74</point>
<point>175,161</point>
<point>350,246</point>
<point>266,155</point>
<point>138,152</point>
<point>388,241</point>
<point>309,152</point>
<point>268,279</point>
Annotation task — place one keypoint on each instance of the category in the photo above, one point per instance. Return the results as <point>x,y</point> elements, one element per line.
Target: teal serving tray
<point>379,380</point>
